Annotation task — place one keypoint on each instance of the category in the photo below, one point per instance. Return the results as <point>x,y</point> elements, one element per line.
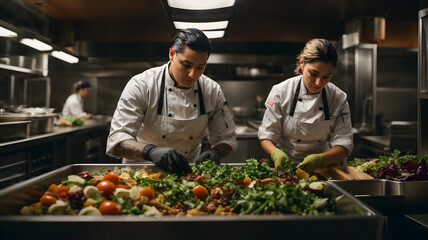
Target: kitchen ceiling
<point>254,20</point>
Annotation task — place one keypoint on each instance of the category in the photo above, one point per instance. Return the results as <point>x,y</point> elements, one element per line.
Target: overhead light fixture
<point>7,33</point>
<point>65,56</point>
<point>200,4</point>
<point>214,34</point>
<point>36,44</point>
<point>201,25</point>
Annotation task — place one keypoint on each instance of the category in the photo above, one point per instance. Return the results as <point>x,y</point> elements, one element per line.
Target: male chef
<point>164,113</point>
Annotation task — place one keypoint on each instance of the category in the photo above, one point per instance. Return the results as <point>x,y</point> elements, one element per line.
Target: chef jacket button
<point>170,115</point>
<point>191,137</point>
<point>195,91</point>
<point>194,105</point>
<point>300,99</point>
<point>320,108</point>
<point>298,140</point>
<point>170,89</point>
<point>163,136</point>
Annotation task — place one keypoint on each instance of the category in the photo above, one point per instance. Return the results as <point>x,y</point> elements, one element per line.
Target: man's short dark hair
<point>193,38</point>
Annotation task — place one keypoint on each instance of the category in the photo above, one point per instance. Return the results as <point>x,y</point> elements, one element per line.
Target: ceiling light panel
<point>7,33</point>
<point>201,25</point>
<point>65,56</point>
<point>214,34</point>
<point>200,4</point>
<point>36,44</point>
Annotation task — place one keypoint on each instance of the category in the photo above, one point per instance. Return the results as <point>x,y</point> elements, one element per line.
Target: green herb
<point>276,197</point>
<point>99,172</point>
<point>128,207</point>
<point>76,121</point>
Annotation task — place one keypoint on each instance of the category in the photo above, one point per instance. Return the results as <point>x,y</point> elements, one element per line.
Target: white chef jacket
<point>73,106</point>
<point>139,102</point>
<point>276,124</point>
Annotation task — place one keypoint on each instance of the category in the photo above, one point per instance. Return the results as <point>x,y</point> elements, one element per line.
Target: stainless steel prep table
<point>32,156</point>
<point>354,220</point>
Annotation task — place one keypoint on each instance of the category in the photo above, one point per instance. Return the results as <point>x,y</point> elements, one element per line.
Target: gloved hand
<point>167,159</point>
<point>279,157</point>
<point>212,153</point>
<point>312,162</point>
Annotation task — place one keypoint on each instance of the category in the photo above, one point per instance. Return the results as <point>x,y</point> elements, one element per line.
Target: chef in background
<point>164,112</point>
<point>307,116</point>
<point>74,104</point>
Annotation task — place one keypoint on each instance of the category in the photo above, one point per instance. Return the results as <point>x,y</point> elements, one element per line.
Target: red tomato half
<point>108,207</point>
<point>122,186</point>
<point>112,177</point>
<point>106,188</point>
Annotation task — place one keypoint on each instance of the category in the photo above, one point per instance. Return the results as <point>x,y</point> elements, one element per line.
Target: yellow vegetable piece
<point>302,174</point>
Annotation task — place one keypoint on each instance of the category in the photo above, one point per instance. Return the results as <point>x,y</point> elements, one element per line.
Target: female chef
<point>73,106</point>
<point>307,115</point>
<point>164,112</point>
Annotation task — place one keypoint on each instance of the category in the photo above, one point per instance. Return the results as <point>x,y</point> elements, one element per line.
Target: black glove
<point>212,153</point>
<point>167,159</point>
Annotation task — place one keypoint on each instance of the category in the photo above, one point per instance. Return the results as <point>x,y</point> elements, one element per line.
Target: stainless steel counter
<point>57,131</point>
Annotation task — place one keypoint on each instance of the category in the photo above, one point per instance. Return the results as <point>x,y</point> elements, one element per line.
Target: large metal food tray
<point>410,197</point>
<point>353,219</point>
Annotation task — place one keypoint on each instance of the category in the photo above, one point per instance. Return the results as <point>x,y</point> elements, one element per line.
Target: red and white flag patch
<point>269,102</point>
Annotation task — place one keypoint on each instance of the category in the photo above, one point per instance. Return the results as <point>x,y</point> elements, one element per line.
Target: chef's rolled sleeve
<point>341,134</point>
<point>128,116</point>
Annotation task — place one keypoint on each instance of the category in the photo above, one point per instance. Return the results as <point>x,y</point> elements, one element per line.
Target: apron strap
<point>324,101</point>
<point>162,93</point>
<point>201,100</point>
<point>296,96</point>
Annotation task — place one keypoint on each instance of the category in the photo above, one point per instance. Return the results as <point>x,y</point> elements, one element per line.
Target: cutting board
<point>345,172</point>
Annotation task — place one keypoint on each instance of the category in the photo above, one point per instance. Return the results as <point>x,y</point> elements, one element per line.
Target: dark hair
<point>81,84</point>
<point>317,49</point>
<point>193,38</point>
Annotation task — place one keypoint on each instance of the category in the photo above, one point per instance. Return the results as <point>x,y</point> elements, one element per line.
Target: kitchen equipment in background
<point>243,112</point>
<point>37,110</point>
<point>14,130</point>
<point>37,92</point>
<point>39,123</point>
<point>423,83</point>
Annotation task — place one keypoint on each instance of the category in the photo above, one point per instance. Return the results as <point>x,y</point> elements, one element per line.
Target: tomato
<point>112,177</point>
<point>247,181</point>
<point>148,192</point>
<point>122,186</point>
<point>62,192</point>
<point>106,188</point>
<point>108,207</point>
<point>53,188</point>
<point>200,192</point>
<point>47,200</point>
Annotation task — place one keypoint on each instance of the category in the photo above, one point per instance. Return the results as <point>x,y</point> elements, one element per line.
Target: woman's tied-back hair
<point>81,84</point>
<point>193,38</point>
<point>317,49</point>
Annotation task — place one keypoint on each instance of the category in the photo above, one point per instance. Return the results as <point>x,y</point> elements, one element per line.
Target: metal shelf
<point>9,69</point>
<point>423,95</point>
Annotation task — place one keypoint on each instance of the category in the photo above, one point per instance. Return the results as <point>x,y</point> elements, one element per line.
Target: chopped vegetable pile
<point>75,121</point>
<point>395,167</point>
<point>211,189</point>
